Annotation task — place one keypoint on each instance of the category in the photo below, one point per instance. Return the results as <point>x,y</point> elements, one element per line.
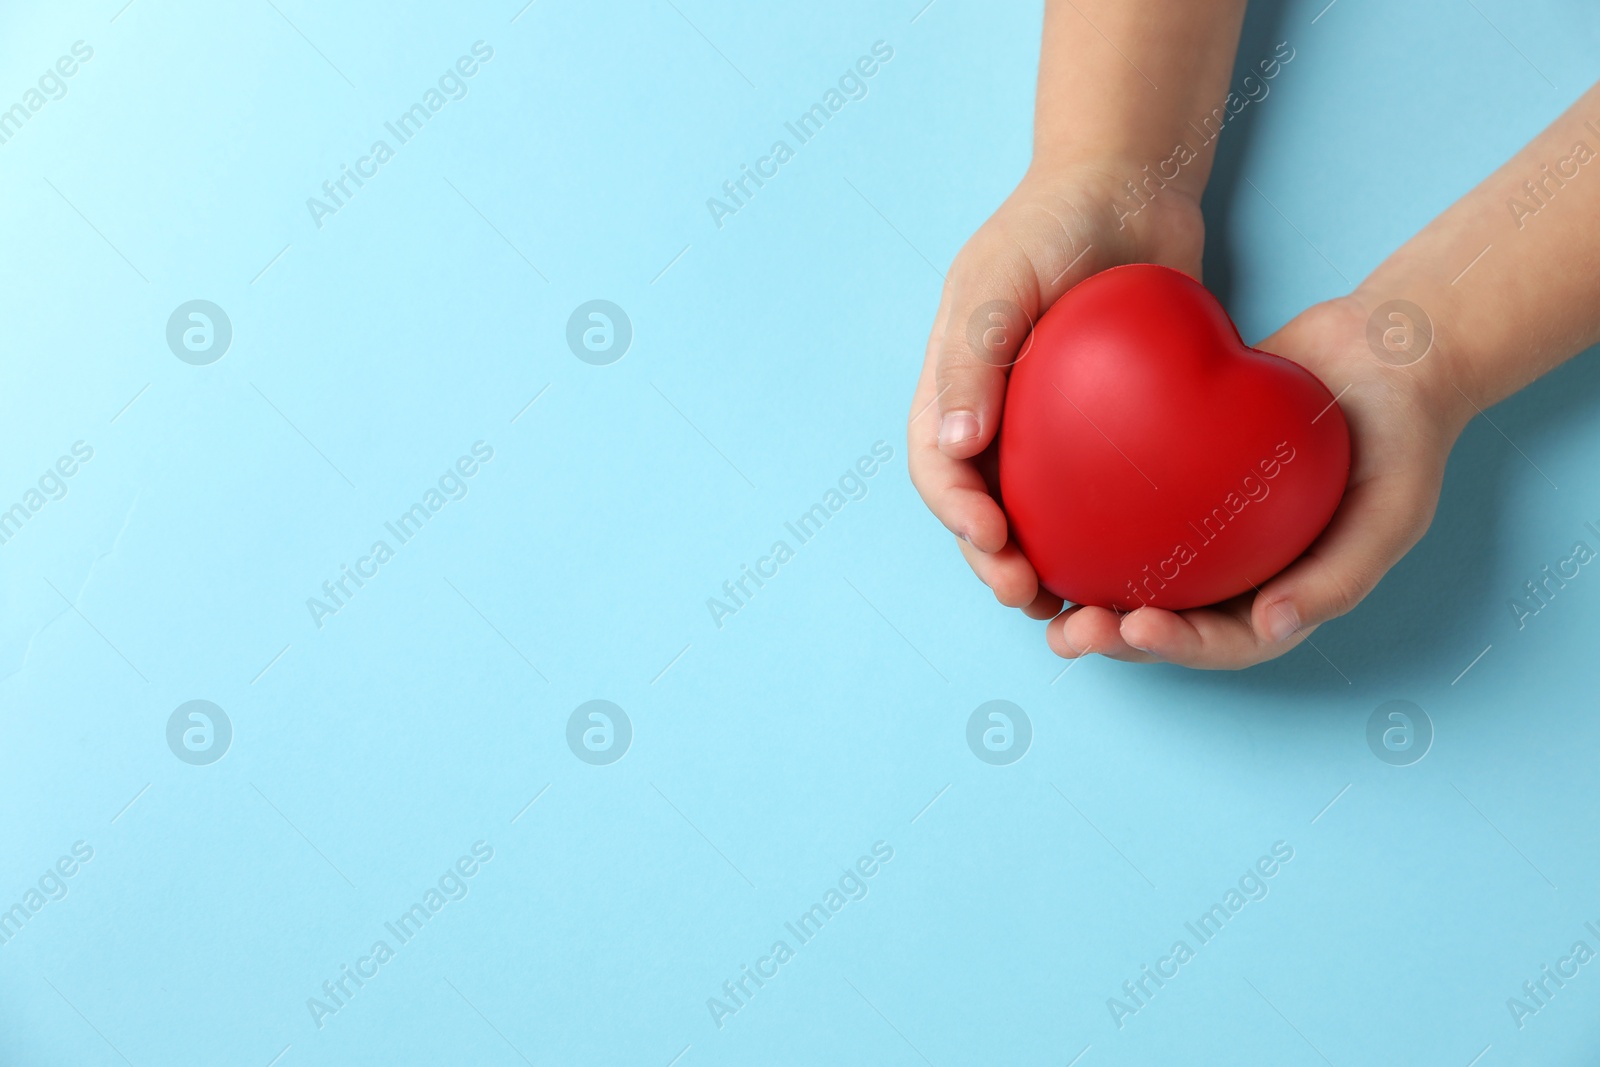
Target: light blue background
<point>825,716</point>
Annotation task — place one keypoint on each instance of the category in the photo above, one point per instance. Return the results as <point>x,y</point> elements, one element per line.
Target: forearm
<point>1121,82</point>
<point>1510,274</point>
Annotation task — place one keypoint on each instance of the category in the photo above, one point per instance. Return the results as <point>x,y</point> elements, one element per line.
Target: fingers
<point>993,300</point>
<point>1219,638</point>
<point>953,489</point>
<point>1205,638</point>
<point>1044,606</point>
<point>1080,631</point>
<point>1008,573</point>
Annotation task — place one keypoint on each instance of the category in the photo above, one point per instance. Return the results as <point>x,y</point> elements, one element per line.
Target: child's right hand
<point>1051,233</point>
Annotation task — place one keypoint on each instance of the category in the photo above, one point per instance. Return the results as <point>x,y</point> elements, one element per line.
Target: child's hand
<point>1403,422</point>
<point>1103,189</point>
<point>1050,234</point>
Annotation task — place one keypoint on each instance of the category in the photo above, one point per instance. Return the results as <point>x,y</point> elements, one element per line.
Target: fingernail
<point>957,426</point>
<point>1282,621</point>
<point>1123,624</point>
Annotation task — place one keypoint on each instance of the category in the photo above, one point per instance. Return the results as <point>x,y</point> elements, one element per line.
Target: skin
<point>1531,302</point>
<point>1098,117</point>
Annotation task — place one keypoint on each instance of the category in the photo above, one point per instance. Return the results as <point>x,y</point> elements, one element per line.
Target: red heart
<point>1148,456</point>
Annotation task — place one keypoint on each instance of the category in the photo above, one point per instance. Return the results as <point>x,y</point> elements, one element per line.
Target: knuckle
<point>1342,592</point>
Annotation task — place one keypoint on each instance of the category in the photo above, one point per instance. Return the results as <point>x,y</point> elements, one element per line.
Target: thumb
<point>1376,524</point>
<point>994,302</point>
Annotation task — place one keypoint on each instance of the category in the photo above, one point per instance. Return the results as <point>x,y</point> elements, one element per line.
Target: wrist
<point>1134,175</point>
<point>1164,225</point>
<point>1411,328</point>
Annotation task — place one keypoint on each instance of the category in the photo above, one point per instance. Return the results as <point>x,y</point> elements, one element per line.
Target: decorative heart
<point>1148,456</point>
